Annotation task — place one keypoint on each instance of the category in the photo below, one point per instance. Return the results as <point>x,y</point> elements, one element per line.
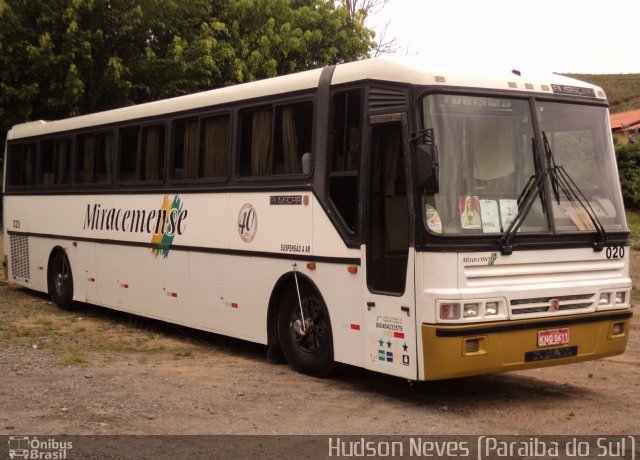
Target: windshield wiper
<point>561,181</point>
<point>525,202</point>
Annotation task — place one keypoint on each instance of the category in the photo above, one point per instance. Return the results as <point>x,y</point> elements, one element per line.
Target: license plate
<point>553,337</point>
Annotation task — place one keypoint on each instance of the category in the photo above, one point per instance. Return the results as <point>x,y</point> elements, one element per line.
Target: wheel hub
<point>300,330</point>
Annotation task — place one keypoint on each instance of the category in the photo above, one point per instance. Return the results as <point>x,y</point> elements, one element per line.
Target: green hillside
<point>623,90</point>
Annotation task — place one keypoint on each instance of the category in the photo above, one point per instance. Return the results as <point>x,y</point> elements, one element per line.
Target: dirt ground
<point>96,371</point>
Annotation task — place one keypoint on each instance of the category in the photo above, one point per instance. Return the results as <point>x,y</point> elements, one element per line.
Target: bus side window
<point>201,147</point>
<point>292,137</point>
<point>345,164</point>
<point>141,153</point>
<point>214,146</point>
<point>274,140</point>
<point>129,168</point>
<point>55,162</point>
<point>62,162</point>
<point>255,146</point>
<point>152,153</point>
<point>47,168</point>
<point>94,158</point>
<point>185,149</point>
<point>21,165</point>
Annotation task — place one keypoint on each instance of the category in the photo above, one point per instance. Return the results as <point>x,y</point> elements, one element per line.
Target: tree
<point>360,11</point>
<point>628,156</point>
<point>60,58</point>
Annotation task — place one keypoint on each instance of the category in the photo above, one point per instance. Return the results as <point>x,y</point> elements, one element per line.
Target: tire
<point>309,351</point>
<point>60,280</point>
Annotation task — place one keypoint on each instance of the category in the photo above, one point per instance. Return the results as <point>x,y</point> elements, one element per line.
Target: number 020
<point>615,252</point>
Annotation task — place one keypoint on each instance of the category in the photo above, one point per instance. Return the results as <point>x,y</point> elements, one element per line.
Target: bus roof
<point>369,69</point>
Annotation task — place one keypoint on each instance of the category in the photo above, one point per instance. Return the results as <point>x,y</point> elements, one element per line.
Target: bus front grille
<point>19,245</point>
<point>552,304</point>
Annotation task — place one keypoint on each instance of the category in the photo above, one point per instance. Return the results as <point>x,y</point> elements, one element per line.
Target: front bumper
<point>452,351</point>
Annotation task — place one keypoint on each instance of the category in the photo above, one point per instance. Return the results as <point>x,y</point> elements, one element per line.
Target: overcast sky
<point>580,36</point>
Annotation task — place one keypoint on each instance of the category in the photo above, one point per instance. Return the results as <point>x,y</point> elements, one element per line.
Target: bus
<point>420,223</point>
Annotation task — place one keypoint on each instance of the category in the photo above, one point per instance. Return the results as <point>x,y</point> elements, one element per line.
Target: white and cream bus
<point>422,224</point>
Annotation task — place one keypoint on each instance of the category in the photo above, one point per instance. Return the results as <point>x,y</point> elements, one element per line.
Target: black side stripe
<point>235,252</point>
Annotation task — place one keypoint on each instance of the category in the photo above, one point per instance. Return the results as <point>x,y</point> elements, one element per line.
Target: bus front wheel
<point>60,279</point>
<point>305,333</point>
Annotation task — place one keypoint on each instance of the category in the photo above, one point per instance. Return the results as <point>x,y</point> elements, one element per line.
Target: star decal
<point>405,347</point>
<point>381,343</point>
<point>389,344</point>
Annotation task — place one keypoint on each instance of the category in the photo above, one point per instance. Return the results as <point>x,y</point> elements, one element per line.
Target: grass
<point>72,356</point>
<point>182,354</point>
<point>30,320</point>
<point>633,221</point>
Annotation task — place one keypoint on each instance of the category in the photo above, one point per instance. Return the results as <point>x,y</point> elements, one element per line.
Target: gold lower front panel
<point>485,348</point>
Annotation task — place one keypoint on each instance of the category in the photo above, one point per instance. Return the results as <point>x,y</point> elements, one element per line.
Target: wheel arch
<point>64,296</point>
<point>54,250</point>
<point>286,280</point>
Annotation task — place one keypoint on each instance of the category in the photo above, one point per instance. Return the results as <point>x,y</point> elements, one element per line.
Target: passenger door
<point>389,261</point>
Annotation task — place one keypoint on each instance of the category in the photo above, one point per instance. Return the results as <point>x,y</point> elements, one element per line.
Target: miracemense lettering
<point>153,221</point>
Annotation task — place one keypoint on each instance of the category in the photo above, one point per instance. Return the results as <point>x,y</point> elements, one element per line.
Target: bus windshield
<point>488,157</point>
<point>578,140</point>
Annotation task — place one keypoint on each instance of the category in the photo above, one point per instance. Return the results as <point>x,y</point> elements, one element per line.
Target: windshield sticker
<point>433,219</point>
<point>469,212</point>
<point>508,211</point>
<point>490,216</point>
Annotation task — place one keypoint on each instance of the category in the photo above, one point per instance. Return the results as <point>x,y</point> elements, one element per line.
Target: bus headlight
<point>620,298</point>
<point>471,310</point>
<point>605,298</point>
<point>449,311</point>
<point>491,308</point>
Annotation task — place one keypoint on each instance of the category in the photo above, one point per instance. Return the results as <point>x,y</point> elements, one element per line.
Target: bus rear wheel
<point>305,336</point>
<point>60,280</point>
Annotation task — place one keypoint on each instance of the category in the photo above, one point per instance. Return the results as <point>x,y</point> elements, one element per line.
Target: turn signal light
<point>449,311</point>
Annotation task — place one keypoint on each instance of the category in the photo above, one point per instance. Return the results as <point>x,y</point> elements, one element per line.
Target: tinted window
<point>201,147</point>
<point>94,158</point>
<point>55,162</point>
<point>345,164</point>
<point>142,153</point>
<point>152,153</point>
<point>276,140</point>
<point>21,165</point>
<point>129,157</point>
<point>214,147</point>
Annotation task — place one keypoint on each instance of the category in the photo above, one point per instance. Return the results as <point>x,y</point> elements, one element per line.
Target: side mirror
<point>427,167</point>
